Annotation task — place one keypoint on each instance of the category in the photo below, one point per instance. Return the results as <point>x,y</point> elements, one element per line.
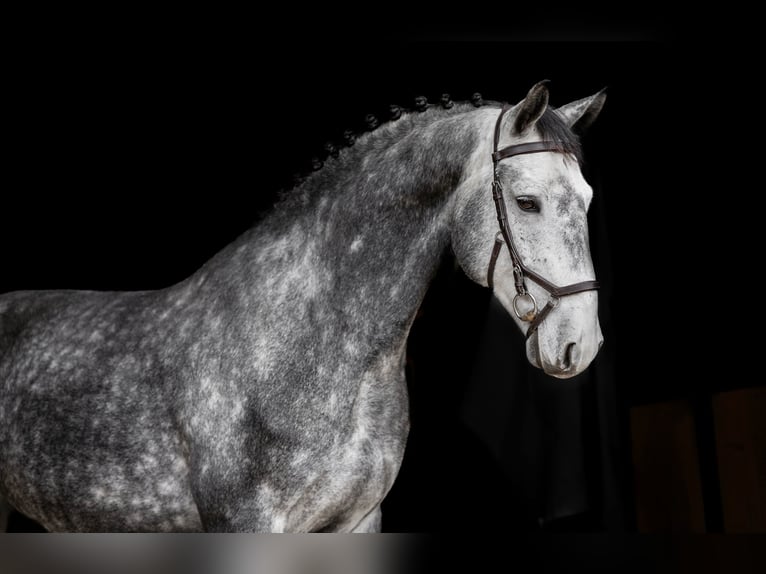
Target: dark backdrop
<point>135,153</point>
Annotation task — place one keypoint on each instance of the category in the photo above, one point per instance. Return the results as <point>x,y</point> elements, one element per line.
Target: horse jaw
<point>568,340</point>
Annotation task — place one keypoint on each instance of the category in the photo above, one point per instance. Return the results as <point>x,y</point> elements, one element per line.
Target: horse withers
<point>266,392</point>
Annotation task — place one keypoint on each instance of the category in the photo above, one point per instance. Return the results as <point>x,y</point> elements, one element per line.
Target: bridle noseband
<point>520,271</point>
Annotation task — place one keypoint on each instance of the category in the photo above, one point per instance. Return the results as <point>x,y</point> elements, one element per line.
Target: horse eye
<point>527,204</point>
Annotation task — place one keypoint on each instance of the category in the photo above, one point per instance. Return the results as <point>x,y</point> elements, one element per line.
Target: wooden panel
<point>668,491</point>
<point>740,422</point>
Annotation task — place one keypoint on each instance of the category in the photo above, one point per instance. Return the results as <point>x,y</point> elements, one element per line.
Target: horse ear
<point>581,113</point>
<point>529,110</point>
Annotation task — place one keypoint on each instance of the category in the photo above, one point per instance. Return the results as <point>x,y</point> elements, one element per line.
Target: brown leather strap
<point>576,288</point>
<point>498,123</point>
<point>549,306</point>
<point>493,260</point>
<point>522,148</point>
<point>557,291</point>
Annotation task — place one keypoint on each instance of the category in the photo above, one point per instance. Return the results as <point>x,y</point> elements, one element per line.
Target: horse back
<point>65,333</point>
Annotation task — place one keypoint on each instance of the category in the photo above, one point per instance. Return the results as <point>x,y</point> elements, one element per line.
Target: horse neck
<point>363,237</point>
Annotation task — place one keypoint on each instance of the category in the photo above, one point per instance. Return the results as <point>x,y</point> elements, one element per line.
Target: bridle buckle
<point>518,280</point>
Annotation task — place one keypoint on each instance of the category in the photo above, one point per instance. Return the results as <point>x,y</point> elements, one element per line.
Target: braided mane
<point>550,125</point>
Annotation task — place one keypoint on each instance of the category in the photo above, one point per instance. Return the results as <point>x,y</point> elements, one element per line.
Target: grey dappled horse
<point>266,392</point>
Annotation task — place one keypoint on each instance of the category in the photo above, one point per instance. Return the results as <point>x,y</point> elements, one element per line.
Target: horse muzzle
<point>561,354</point>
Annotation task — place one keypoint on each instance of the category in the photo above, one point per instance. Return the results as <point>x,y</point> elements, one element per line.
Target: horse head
<point>531,244</point>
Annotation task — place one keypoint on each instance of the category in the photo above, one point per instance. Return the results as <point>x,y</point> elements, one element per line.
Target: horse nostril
<point>568,356</point>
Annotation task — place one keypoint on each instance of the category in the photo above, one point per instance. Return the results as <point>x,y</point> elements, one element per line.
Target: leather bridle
<point>521,271</point>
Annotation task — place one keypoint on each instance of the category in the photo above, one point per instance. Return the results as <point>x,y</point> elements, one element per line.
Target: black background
<point>137,146</point>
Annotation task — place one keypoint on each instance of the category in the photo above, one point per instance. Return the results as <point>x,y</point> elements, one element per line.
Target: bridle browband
<point>520,271</point>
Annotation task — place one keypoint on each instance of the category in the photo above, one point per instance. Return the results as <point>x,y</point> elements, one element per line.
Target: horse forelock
<point>552,127</point>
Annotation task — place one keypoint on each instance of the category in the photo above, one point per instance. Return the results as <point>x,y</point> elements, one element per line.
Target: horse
<point>266,392</point>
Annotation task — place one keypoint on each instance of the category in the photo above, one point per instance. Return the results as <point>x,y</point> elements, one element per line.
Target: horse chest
<point>338,480</point>
<point>374,446</point>
<point>342,485</point>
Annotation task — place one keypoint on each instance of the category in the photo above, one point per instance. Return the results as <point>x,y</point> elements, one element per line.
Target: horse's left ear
<point>581,113</point>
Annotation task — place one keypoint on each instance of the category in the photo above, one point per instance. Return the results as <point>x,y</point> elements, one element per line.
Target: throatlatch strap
<point>498,247</point>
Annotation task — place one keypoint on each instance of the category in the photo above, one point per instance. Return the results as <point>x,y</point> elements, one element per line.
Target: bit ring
<point>529,316</point>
